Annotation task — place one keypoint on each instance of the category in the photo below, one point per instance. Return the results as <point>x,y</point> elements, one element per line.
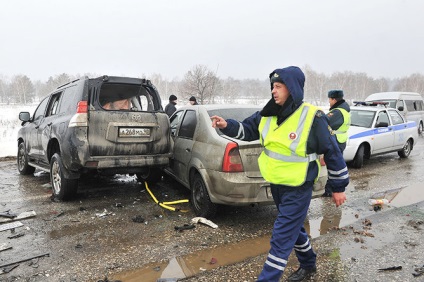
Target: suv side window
<point>54,104</point>
<point>41,109</point>
<point>396,117</point>
<point>66,103</point>
<point>188,125</point>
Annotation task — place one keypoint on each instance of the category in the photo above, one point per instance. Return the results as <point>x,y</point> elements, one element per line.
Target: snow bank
<point>9,126</point>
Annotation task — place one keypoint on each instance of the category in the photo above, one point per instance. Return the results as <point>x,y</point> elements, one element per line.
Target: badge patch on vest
<point>293,135</point>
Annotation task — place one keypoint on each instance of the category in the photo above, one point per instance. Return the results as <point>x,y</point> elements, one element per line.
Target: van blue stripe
<point>376,131</point>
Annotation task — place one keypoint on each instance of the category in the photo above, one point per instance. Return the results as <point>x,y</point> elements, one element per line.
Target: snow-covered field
<point>9,126</point>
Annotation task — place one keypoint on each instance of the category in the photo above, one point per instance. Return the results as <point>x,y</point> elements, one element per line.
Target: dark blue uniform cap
<point>335,94</point>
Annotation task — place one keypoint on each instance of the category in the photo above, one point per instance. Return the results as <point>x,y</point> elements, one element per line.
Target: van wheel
<point>420,128</point>
<point>62,188</point>
<point>358,160</point>
<point>200,200</point>
<point>149,174</point>
<point>23,166</point>
<point>406,150</point>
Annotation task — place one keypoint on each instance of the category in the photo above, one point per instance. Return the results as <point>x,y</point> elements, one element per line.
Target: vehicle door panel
<point>183,143</point>
<point>400,129</point>
<point>383,136</point>
<point>33,145</point>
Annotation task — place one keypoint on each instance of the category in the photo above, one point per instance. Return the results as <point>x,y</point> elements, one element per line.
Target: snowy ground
<point>9,126</point>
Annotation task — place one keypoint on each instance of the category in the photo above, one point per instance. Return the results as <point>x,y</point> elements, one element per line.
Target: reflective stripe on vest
<point>284,159</point>
<point>341,132</point>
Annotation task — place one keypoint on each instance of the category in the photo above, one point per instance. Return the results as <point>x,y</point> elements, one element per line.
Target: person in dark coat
<point>193,101</point>
<point>294,134</point>
<point>170,108</point>
<point>339,121</point>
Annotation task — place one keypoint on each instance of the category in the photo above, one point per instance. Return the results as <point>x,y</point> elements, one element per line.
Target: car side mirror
<point>400,108</point>
<point>382,124</point>
<point>24,116</point>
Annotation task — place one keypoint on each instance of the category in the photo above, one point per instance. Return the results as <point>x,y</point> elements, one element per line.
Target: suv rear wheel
<point>62,188</point>
<point>23,166</point>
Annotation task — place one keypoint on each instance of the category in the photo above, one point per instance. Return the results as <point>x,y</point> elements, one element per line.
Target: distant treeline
<point>207,87</point>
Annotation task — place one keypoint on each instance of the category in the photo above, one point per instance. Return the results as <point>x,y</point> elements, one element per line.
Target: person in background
<point>293,134</point>
<point>170,108</point>
<point>339,121</point>
<point>193,101</point>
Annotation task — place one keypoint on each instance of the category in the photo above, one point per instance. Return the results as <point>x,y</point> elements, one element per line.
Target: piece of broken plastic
<point>204,221</point>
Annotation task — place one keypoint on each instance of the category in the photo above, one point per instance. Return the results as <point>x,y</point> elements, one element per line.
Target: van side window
<point>410,105</point>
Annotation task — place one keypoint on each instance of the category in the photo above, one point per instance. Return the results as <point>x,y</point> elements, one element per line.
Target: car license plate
<point>133,132</point>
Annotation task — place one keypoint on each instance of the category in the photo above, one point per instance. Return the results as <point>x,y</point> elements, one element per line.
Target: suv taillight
<point>82,107</point>
<point>232,160</point>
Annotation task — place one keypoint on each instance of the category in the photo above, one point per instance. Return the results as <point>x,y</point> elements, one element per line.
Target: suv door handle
<point>188,150</point>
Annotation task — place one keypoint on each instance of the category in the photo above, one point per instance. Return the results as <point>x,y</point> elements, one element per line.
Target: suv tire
<point>62,188</point>
<point>200,200</point>
<point>23,166</point>
<point>151,175</point>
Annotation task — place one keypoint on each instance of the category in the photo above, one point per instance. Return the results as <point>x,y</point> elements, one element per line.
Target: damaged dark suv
<point>107,124</point>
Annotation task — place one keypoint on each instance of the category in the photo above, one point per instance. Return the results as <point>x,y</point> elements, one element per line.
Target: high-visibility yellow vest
<point>284,159</point>
<point>341,132</point>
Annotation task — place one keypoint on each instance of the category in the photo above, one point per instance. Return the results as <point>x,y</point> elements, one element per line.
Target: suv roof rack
<point>370,103</point>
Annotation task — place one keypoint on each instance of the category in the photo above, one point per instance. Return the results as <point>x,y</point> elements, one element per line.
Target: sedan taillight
<point>232,160</point>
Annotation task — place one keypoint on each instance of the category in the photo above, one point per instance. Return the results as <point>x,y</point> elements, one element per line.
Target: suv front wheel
<point>62,188</point>
<point>23,166</point>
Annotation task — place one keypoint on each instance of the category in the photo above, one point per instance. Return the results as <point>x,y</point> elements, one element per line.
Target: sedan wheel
<point>406,150</point>
<point>358,160</point>
<point>199,198</point>
<point>62,188</point>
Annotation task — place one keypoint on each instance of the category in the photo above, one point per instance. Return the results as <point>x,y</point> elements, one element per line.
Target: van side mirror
<point>400,108</point>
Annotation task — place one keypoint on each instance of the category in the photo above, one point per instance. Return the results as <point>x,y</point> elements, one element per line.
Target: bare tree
<point>22,89</point>
<point>412,83</point>
<point>201,83</point>
<point>3,91</point>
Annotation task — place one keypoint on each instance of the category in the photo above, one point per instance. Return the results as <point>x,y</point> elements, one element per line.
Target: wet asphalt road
<point>95,236</point>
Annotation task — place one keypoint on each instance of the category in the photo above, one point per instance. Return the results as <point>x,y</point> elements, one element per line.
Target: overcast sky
<point>235,38</point>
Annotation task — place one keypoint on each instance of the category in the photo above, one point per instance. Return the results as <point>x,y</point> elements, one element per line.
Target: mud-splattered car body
<point>79,129</point>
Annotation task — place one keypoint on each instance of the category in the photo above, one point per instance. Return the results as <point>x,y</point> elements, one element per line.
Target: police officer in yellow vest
<point>293,134</point>
<point>339,121</point>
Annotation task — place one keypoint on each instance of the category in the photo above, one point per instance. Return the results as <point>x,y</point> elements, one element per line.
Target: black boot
<point>302,274</point>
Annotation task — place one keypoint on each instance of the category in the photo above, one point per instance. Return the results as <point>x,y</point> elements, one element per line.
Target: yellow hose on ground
<point>165,204</point>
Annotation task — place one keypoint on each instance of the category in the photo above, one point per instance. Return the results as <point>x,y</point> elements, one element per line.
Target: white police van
<point>377,129</point>
<point>409,104</point>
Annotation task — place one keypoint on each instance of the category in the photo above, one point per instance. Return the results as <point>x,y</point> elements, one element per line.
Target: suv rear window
<point>131,97</point>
